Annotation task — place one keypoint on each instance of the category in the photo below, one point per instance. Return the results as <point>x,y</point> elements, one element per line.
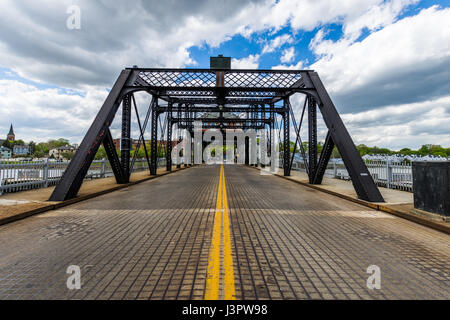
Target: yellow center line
<point>221,218</point>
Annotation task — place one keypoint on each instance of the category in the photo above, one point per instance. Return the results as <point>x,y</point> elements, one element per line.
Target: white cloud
<point>36,43</point>
<point>401,62</point>
<point>400,126</point>
<point>297,66</point>
<point>42,114</point>
<point>288,55</point>
<point>277,42</point>
<point>250,62</point>
<point>404,62</point>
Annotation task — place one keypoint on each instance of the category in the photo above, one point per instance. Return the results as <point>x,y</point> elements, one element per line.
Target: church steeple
<point>11,136</point>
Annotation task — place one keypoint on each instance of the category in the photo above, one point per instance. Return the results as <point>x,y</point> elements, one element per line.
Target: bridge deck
<point>195,235</point>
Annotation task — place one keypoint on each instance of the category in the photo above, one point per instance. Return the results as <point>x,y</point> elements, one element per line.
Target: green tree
<point>101,153</point>
<point>67,155</point>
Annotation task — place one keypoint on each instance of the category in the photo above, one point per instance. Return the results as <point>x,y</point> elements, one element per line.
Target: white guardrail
<point>24,175</point>
<point>385,173</point>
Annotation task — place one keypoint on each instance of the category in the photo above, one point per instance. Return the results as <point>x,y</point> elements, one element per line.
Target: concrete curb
<point>380,207</point>
<point>65,203</point>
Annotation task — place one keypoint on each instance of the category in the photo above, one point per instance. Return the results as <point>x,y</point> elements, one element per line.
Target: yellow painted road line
<point>221,218</point>
<point>228,259</point>
<point>213,271</point>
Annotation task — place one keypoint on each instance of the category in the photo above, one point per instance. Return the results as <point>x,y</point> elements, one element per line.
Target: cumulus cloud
<point>397,126</point>
<point>277,42</point>
<point>36,43</point>
<point>42,114</point>
<point>297,66</point>
<point>250,62</point>
<point>404,62</point>
<point>288,55</point>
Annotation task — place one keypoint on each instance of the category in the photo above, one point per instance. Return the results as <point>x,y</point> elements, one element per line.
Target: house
<point>117,144</point>
<point>21,150</point>
<point>5,152</point>
<point>57,153</point>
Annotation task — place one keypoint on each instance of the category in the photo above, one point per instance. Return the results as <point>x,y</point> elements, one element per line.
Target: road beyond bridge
<point>221,232</point>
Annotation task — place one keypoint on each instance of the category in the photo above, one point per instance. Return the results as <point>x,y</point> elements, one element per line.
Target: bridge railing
<point>25,175</point>
<point>388,174</point>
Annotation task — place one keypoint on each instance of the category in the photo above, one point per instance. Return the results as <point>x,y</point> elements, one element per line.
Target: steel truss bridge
<point>182,95</point>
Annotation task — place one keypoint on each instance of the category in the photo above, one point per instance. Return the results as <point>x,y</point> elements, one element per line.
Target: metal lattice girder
<point>221,86</point>
<point>218,120</point>
<point>213,100</point>
<point>215,109</point>
<point>362,180</point>
<point>224,126</point>
<point>72,178</point>
<point>207,93</point>
<point>206,78</point>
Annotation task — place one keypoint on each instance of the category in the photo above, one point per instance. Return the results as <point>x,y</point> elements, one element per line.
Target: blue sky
<point>384,63</point>
<point>240,47</point>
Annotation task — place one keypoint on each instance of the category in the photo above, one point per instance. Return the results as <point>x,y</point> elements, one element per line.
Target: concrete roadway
<point>195,235</point>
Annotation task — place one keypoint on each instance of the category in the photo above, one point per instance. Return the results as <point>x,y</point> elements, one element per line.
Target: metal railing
<point>25,175</point>
<point>389,174</point>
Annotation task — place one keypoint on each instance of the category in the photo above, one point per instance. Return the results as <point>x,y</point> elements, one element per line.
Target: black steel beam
<point>298,139</point>
<point>225,127</point>
<point>71,181</point>
<point>286,142</point>
<point>154,139</point>
<point>142,131</point>
<point>312,138</point>
<point>125,142</point>
<point>113,158</point>
<point>362,180</point>
<point>215,109</point>
<point>169,139</point>
<point>222,120</point>
<point>324,159</point>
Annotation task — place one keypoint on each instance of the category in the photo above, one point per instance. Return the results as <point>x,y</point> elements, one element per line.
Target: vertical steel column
<point>169,138</point>
<point>247,150</point>
<point>154,139</point>
<point>179,115</point>
<point>263,117</point>
<point>312,138</point>
<point>286,142</point>
<point>125,146</point>
<point>271,132</point>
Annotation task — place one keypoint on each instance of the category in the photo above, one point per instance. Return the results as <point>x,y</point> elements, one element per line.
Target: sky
<point>385,64</point>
